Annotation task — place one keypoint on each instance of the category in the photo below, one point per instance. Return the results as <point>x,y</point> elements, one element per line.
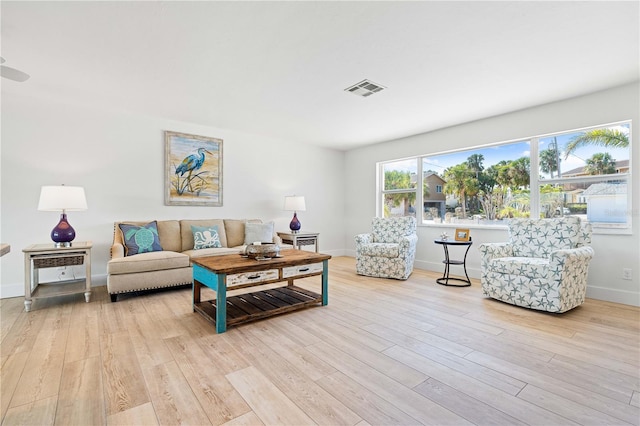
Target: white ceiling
<point>279,68</point>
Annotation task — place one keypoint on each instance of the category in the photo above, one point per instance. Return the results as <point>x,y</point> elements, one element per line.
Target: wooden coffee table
<point>230,272</point>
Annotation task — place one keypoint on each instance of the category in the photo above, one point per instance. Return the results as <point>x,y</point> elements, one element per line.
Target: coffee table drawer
<point>252,277</point>
<point>293,271</point>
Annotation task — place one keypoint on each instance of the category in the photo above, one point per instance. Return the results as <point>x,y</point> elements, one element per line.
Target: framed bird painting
<point>193,172</point>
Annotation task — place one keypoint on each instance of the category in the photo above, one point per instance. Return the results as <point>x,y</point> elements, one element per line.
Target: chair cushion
<point>539,237</point>
<point>145,262</point>
<point>392,229</point>
<point>531,267</point>
<point>389,250</point>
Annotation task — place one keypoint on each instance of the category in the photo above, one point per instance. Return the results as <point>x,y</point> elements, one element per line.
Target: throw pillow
<point>140,239</point>
<point>262,232</point>
<point>205,237</point>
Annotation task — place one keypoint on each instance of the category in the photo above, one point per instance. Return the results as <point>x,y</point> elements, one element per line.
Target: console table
<point>448,261</point>
<point>233,271</point>
<point>38,256</point>
<point>300,239</point>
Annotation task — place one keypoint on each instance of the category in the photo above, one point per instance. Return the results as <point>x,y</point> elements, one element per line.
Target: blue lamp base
<point>63,233</point>
<point>295,224</point>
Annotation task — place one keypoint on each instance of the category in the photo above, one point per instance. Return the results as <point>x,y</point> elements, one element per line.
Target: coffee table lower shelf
<point>260,304</point>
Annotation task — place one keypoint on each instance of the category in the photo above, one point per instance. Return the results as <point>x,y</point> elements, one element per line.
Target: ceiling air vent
<point>365,88</point>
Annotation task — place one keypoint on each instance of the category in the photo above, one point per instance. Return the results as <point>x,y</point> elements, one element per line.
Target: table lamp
<point>62,198</point>
<point>296,204</point>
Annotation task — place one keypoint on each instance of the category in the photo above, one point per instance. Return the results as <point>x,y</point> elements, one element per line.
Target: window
<point>399,188</point>
<point>582,172</point>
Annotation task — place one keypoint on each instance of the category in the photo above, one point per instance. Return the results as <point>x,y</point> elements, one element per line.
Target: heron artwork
<point>191,163</point>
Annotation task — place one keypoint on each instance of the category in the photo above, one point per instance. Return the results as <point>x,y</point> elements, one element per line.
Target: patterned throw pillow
<point>140,239</point>
<point>205,237</point>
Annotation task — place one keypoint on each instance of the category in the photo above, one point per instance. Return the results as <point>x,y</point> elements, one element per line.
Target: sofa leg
<point>114,297</point>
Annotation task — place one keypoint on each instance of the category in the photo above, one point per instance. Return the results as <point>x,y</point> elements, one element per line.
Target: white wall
<point>613,252</point>
<point>119,158</point>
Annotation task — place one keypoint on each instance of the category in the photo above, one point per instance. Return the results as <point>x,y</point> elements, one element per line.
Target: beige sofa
<point>171,266</point>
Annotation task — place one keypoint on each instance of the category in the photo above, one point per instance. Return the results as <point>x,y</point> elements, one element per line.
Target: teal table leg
<point>221,303</point>
<point>325,282</point>
<point>216,282</point>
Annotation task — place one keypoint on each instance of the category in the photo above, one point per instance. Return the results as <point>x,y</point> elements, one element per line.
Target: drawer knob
<point>303,269</point>
<point>253,277</point>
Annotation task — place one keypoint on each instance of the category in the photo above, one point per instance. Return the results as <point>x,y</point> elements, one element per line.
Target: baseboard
<point>612,295</point>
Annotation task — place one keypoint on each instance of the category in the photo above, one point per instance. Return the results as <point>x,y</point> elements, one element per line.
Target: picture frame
<point>193,170</point>
<point>462,234</point>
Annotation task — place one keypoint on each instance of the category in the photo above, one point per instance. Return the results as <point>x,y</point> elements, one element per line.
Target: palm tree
<point>611,138</point>
<point>461,182</point>
<point>600,163</point>
<point>395,179</point>
<point>549,161</point>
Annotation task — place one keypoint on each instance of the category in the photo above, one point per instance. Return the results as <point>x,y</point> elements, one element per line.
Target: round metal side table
<point>448,262</point>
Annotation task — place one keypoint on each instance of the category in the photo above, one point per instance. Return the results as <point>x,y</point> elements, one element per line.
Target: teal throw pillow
<point>205,237</point>
<point>140,239</point>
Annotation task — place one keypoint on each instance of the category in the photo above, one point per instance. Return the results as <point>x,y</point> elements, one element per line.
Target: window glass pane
<point>400,204</point>
<point>600,202</point>
<point>400,174</point>
<point>482,185</point>
<point>599,151</point>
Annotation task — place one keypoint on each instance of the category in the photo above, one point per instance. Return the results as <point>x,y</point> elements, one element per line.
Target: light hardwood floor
<point>382,352</point>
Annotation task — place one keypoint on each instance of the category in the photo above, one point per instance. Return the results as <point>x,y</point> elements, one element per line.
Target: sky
<point>513,151</point>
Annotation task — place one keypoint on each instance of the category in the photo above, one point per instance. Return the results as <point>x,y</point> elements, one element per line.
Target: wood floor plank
<point>121,374</point>
<point>318,404</point>
<point>217,397</point>
<point>141,415</point>
<point>81,399</point>
<point>407,376</point>
<point>294,353</point>
<point>579,413</point>
<point>488,376</point>
<point>267,401</point>
<point>248,419</point>
<point>84,336</point>
<point>172,398</point>
<point>40,412</point>
<point>420,408</point>
<point>10,372</point>
<point>491,396</point>
<point>470,408</point>
<point>364,402</point>
<point>581,395</point>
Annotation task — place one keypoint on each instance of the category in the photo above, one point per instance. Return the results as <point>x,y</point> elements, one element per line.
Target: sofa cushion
<point>140,238</point>
<point>234,229</point>
<point>205,237</point>
<point>168,233</point>
<point>145,262</point>
<point>213,252</point>
<point>539,237</point>
<point>389,250</point>
<point>531,267</point>
<point>187,234</point>
<point>262,232</point>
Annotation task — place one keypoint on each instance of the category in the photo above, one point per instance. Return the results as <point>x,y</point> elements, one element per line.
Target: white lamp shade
<point>62,198</point>
<point>294,203</point>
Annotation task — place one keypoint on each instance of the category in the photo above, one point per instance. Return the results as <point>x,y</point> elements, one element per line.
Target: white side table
<point>38,256</point>
<point>300,239</point>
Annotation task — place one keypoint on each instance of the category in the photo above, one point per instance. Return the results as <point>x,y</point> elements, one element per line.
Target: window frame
<point>535,181</point>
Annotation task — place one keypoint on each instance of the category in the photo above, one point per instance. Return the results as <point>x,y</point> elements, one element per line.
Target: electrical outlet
<point>626,273</point>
